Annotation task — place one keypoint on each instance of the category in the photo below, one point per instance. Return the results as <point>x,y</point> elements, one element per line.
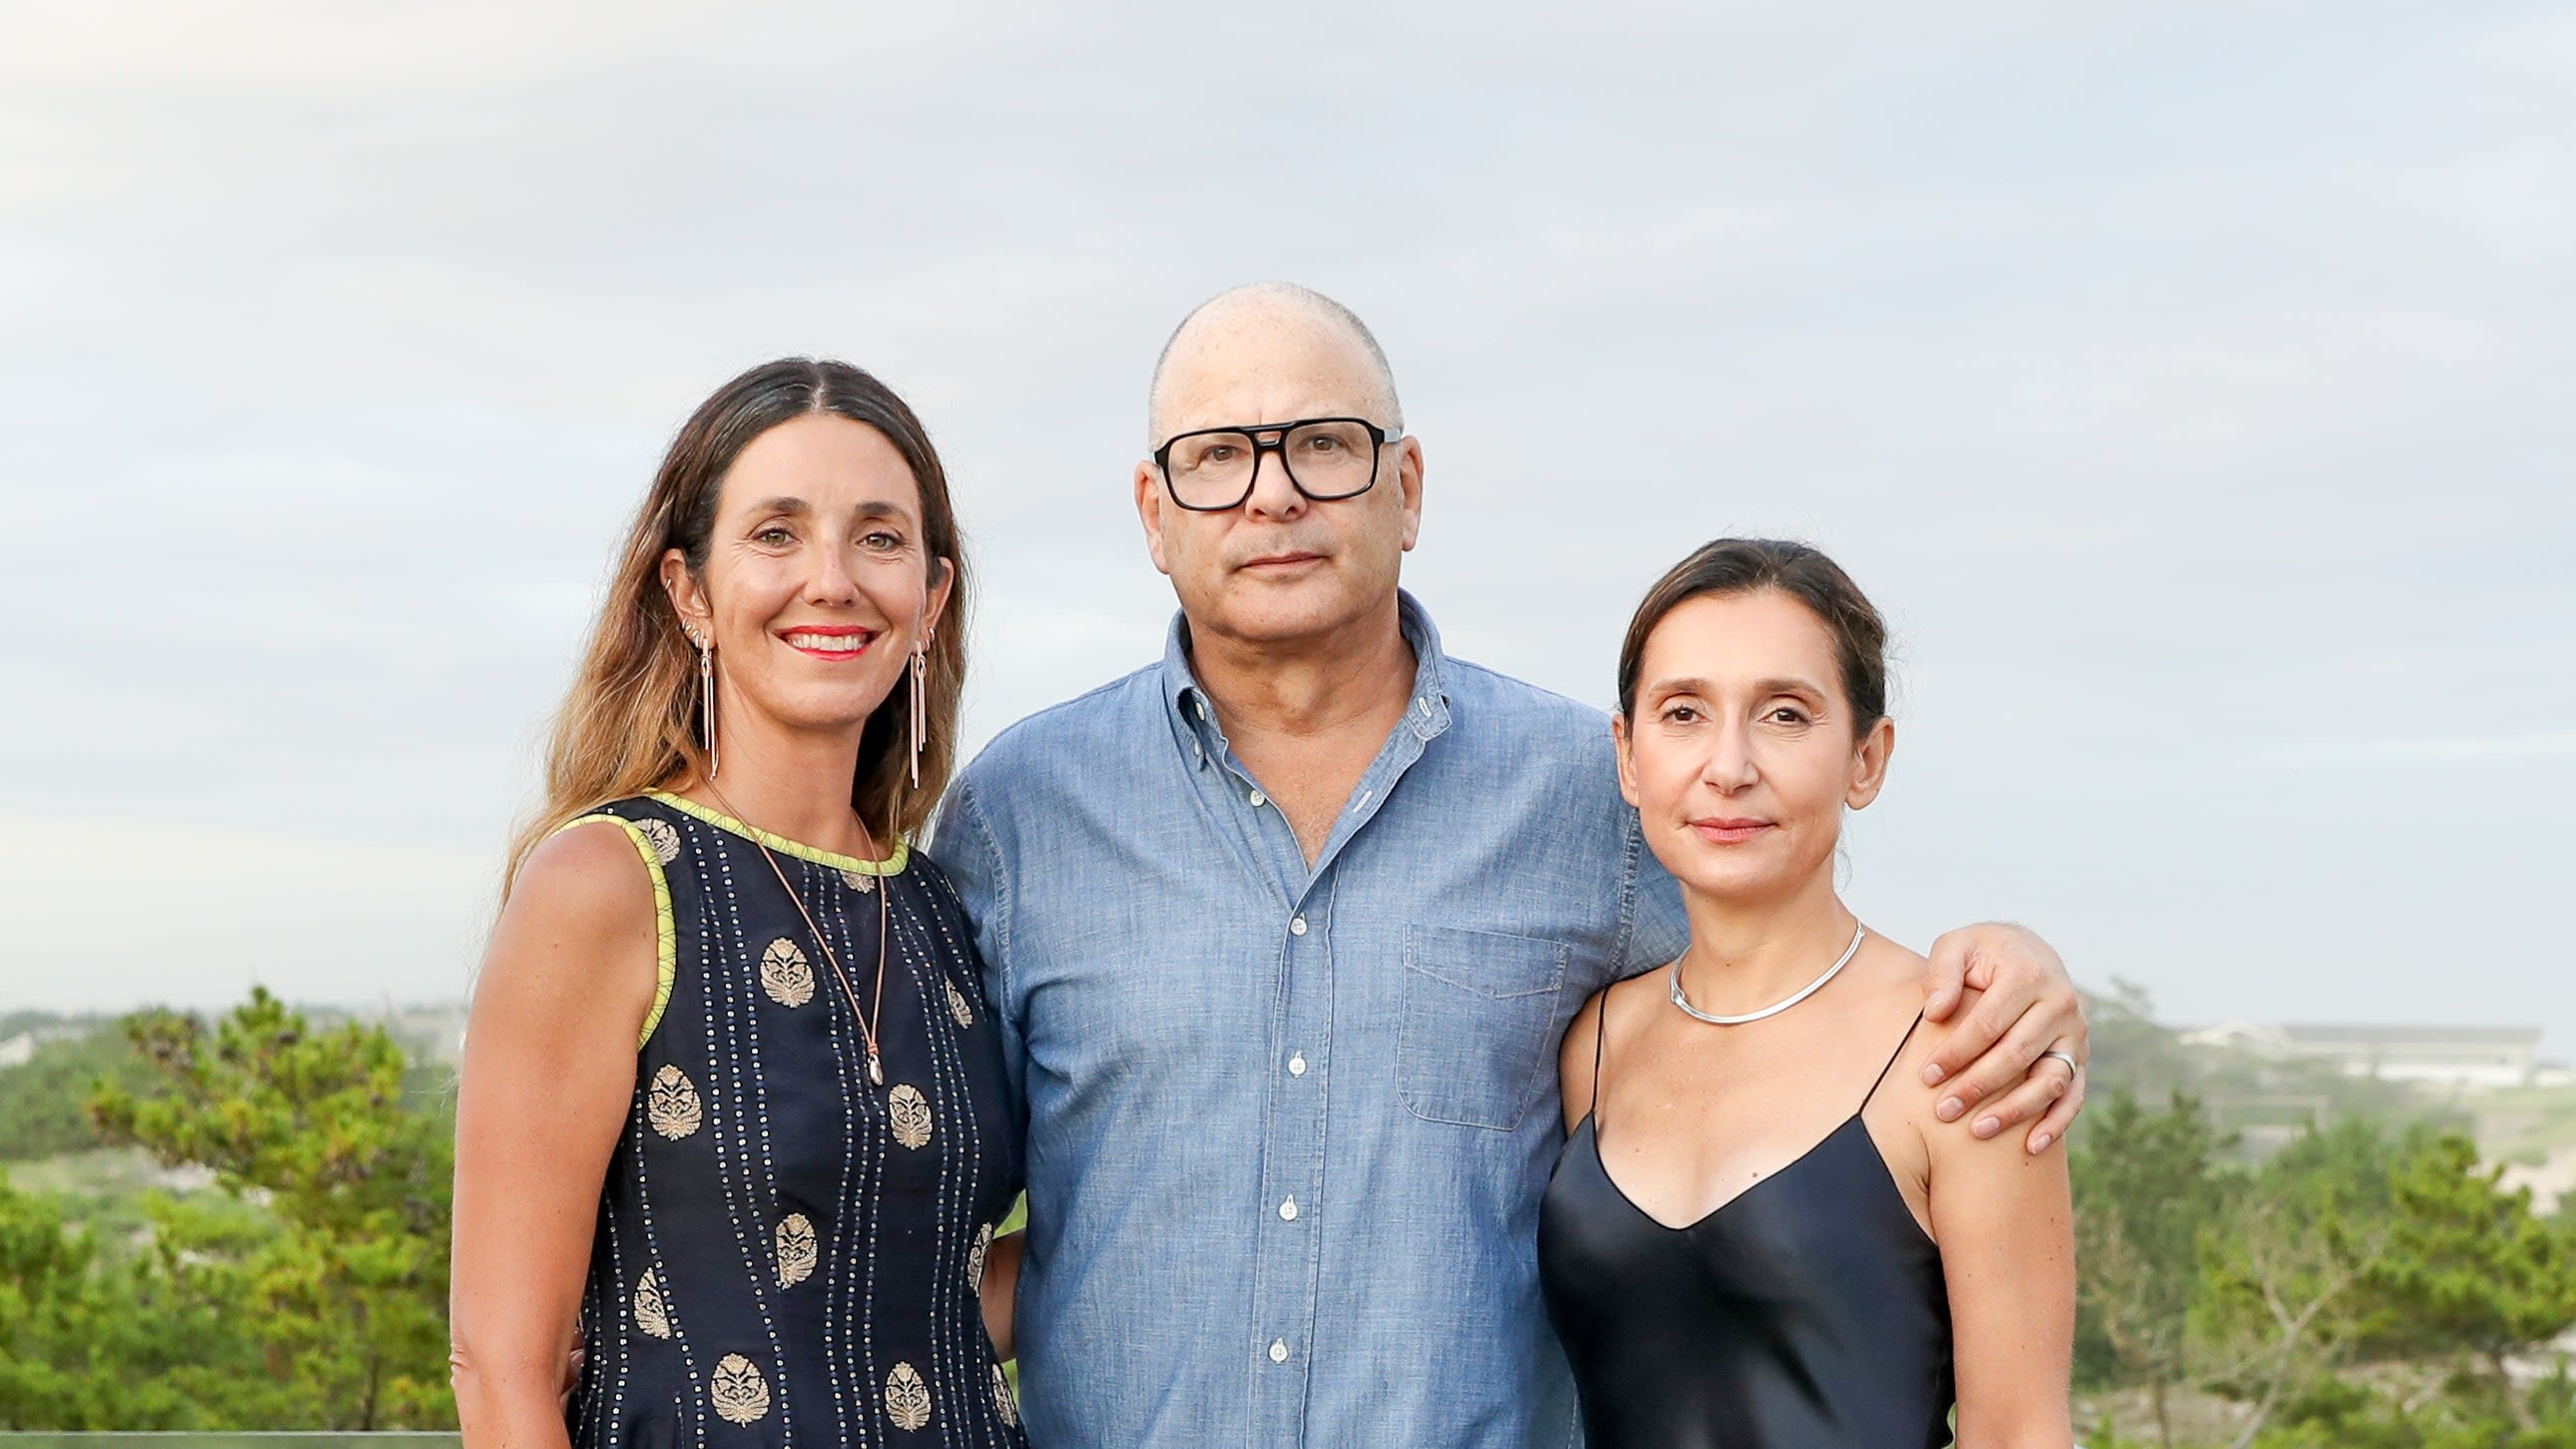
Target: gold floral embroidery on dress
<point>652,1314</point>
<point>672,1105</point>
<point>859,880</point>
<point>796,1252</point>
<point>910,1112</point>
<point>785,973</point>
<point>975,1258</point>
<point>957,1006</point>
<point>739,1393</point>
<point>664,840</point>
<point>1008,1407</point>
<point>907,1398</point>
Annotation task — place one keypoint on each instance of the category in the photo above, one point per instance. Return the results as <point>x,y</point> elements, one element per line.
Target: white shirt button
<point>1288,1211</point>
<point>1296,925</point>
<point>1297,1065</point>
<point>1278,1350</point>
<point>1259,799</point>
<point>1426,706</point>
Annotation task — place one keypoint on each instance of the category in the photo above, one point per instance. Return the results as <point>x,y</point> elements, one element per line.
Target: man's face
<point>1279,568</point>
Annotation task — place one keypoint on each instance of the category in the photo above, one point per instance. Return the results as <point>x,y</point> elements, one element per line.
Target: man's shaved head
<point>1280,568</point>
<point>1256,304</point>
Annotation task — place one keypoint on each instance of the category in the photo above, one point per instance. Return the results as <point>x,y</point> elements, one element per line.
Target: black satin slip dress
<point>1807,1312</point>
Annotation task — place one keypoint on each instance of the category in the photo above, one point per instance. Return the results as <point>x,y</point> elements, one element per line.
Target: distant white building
<point>2447,1056</point>
<point>2266,1041</point>
<point>19,1050</point>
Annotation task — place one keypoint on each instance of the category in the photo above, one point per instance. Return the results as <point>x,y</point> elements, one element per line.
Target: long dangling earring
<point>707,699</point>
<point>920,700</point>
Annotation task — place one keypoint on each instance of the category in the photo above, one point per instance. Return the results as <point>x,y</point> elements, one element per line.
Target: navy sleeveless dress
<point>1808,1312</point>
<point>786,1253</point>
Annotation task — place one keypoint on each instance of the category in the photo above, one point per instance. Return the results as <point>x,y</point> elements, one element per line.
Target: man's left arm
<point>1995,1061</point>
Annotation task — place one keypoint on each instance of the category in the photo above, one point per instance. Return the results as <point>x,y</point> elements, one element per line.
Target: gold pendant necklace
<point>885,928</point>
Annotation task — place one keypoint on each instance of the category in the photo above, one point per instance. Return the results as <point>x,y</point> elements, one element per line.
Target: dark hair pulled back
<point>1731,566</point>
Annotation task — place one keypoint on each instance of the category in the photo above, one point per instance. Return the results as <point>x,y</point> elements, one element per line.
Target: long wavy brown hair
<point>629,723</point>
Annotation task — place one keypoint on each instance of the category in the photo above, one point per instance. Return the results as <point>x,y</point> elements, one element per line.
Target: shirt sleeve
<point>964,846</point>
<point>1658,930</point>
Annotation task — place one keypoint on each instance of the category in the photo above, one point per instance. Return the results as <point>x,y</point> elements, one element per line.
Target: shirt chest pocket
<point>1479,1019</point>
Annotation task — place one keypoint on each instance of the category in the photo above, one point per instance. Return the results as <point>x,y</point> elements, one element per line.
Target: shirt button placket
<point>1288,1246</point>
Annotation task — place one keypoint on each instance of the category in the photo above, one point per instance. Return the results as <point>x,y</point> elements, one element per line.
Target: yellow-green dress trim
<point>667,969</point>
<point>892,865</point>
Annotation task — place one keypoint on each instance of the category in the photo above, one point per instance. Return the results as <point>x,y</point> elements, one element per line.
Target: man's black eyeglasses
<point>1326,459</point>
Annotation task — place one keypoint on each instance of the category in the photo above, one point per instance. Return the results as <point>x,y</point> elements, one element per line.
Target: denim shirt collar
<point>1194,726</point>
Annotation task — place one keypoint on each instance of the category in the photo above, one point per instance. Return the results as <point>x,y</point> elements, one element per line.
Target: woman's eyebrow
<point>794,507</point>
<point>1696,685</point>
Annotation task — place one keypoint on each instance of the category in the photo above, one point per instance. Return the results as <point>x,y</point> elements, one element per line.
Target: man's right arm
<point>965,847</point>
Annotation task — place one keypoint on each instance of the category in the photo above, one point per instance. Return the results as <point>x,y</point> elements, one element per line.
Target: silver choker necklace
<point>1859,934</point>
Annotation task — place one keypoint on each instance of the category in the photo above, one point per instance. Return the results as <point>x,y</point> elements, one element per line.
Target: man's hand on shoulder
<point>1995,1061</point>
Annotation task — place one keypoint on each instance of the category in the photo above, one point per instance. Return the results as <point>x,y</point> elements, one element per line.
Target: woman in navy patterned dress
<point>733,1112</point>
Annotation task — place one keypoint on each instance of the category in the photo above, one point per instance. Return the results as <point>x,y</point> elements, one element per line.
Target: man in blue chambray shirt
<point>1282,933</point>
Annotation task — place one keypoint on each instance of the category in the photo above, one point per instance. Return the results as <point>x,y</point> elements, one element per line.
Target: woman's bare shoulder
<point>1897,976</point>
<point>588,870</point>
<point>1894,973</point>
<point>585,894</point>
<point>1582,1047</point>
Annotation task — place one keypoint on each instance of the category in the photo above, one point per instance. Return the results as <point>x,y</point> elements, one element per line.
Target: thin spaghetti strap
<point>1600,1038</point>
<point>1882,1071</point>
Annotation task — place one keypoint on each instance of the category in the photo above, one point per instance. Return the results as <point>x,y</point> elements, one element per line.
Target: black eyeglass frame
<point>1381,436</point>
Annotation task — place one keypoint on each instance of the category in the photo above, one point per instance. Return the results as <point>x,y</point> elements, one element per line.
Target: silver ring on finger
<point>2074,1068</point>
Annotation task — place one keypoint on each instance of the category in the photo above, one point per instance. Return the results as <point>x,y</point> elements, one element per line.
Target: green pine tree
<point>2469,1270</point>
<point>345,1300</point>
<point>2146,1190</point>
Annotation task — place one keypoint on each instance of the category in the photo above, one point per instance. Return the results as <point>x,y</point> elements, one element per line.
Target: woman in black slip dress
<point>732,1110</point>
<point>1755,1239</point>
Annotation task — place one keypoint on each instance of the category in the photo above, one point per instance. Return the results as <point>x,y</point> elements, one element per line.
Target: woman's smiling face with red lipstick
<point>816,583</point>
<point>1740,754</point>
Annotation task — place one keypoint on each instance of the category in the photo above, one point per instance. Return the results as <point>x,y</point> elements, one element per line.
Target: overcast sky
<point>2194,385</point>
